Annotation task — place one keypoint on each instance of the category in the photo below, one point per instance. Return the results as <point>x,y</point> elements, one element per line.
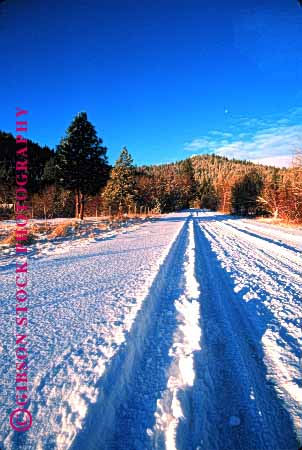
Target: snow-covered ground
<point>179,333</point>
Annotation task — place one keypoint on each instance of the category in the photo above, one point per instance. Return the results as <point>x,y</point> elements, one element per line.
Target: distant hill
<point>229,185</point>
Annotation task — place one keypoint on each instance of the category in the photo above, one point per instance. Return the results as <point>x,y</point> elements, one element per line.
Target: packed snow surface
<point>181,333</point>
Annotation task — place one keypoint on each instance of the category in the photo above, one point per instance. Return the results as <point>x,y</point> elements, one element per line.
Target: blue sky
<point>166,78</point>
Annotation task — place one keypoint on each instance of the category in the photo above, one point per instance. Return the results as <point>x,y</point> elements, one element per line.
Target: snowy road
<point>183,333</point>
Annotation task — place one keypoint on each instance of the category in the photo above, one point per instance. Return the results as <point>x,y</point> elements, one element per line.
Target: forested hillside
<point>76,179</point>
<point>231,186</point>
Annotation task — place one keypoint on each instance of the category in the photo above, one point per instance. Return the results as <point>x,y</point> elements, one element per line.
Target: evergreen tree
<point>208,194</point>
<point>188,183</point>
<point>37,158</point>
<point>269,201</point>
<point>121,190</point>
<point>245,193</point>
<point>81,161</point>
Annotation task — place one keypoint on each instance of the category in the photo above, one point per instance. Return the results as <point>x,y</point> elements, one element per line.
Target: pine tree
<point>208,195</point>
<point>188,184</point>
<point>245,193</point>
<point>81,161</point>
<point>121,190</point>
<point>269,200</point>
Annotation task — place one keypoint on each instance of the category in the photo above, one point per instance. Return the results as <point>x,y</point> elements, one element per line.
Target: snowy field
<point>183,332</point>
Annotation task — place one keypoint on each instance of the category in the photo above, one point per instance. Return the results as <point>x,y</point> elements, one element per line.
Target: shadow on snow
<point>137,374</point>
<point>232,404</point>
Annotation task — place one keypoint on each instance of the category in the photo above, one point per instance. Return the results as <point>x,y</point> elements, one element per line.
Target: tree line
<point>76,179</point>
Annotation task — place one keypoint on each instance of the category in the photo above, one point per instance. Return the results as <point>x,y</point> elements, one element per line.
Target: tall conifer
<point>81,161</point>
<point>121,191</point>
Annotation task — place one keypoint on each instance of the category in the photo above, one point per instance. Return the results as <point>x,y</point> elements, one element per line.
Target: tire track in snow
<point>262,276</point>
<point>289,238</point>
<point>123,415</point>
<point>288,258</point>
<point>234,404</point>
<point>90,310</point>
<point>265,236</point>
<point>186,341</point>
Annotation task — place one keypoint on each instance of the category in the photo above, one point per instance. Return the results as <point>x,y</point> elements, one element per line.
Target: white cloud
<point>221,134</point>
<point>265,141</point>
<point>199,144</point>
<point>277,161</point>
<point>277,143</point>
